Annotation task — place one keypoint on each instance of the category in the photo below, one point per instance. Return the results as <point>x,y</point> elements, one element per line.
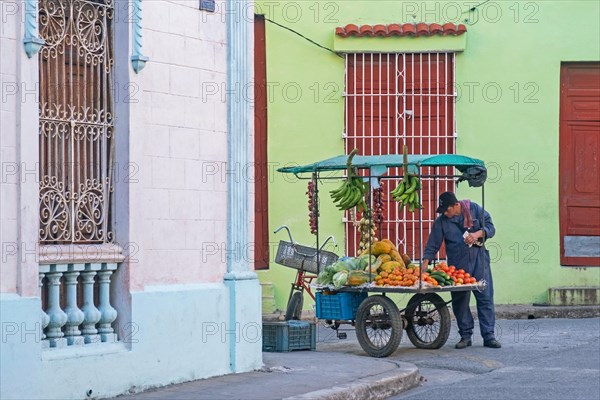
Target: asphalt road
<point>549,359</point>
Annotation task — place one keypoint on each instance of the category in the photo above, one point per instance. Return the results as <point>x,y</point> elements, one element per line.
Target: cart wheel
<point>294,307</point>
<point>428,321</point>
<point>378,326</point>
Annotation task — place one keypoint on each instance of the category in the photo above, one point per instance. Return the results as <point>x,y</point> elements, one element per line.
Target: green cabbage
<point>340,279</point>
<point>325,277</point>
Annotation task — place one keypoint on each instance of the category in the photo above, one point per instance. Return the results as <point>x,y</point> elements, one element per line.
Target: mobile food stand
<point>360,297</point>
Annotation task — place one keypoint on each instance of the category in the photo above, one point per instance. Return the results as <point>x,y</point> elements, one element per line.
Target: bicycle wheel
<point>294,306</point>
<point>378,326</point>
<point>428,321</point>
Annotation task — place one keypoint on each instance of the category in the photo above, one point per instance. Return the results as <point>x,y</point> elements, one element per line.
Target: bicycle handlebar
<point>288,231</point>
<point>331,237</point>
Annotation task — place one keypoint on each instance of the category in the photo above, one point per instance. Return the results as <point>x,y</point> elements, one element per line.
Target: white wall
<point>8,145</point>
<point>182,136</point>
<point>171,208</point>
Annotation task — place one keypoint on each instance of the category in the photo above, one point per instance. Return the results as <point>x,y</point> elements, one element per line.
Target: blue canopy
<point>379,164</point>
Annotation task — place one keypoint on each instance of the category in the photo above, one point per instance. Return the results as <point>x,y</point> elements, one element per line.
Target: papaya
<point>392,245</point>
<point>357,278</point>
<point>396,256</point>
<point>378,248</point>
<point>391,265</point>
<point>384,258</point>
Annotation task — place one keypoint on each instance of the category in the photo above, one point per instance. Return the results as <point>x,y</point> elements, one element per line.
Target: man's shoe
<point>493,343</point>
<point>463,344</point>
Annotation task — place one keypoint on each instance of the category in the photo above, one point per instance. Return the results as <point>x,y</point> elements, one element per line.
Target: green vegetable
<point>340,279</point>
<point>364,260</point>
<point>342,266</point>
<point>325,277</point>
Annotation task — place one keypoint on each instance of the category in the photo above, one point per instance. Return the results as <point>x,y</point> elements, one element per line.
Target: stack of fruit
<point>406,277</point>
<point>391,267</point>
<point>368,233</point>
<point>449,276</point>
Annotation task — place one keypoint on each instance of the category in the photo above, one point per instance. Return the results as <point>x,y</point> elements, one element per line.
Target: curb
<point>374,387</point>
<point>522,311</point>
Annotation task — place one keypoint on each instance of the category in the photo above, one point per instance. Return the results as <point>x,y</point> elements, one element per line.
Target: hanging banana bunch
<point>407,191</point>
<point>352,191</point>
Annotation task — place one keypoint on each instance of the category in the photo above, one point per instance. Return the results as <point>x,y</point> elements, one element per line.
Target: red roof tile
<point>420,29</point>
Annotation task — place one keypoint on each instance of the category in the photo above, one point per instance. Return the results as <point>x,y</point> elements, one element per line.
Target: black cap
<point>446,200</point>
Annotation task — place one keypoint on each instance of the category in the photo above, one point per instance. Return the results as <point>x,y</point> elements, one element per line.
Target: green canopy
<point>379,164</point>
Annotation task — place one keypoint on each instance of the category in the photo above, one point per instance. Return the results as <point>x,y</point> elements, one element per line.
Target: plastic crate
<point>288,336</point>
<point>339,306</point>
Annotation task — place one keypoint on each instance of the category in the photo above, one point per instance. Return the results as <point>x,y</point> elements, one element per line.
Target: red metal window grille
<point>397,99</point>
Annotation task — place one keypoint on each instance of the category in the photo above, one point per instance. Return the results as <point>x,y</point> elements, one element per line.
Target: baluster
<point>109,314</point>
<point>74,314</point>
<point>57,316</point>
<point>91,313</point>
<point>45,319</point>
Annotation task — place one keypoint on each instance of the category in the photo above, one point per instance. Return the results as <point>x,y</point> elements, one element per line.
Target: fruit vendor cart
<point>363,300</point>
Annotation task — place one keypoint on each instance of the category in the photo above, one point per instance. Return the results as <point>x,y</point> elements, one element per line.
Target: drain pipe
<point>238,133</point>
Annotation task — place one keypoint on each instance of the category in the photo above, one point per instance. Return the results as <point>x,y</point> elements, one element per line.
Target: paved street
<point>540,359</point>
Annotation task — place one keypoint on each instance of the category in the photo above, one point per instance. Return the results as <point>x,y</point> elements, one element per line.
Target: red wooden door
<point>393,100</point>
<point>261,179</point>
<point>579,192</point>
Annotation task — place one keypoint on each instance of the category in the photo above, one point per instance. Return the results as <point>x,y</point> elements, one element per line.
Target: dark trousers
<point>485,304</point>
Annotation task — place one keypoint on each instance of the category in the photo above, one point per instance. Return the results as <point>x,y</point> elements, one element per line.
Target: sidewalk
<point>337,370</point>
<point>301,375</point>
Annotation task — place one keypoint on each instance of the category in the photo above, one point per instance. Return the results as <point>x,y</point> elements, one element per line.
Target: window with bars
<point>76,133</point>
<point>392,100</point>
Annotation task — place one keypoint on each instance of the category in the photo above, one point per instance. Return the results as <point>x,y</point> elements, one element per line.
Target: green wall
<point>515,46</point>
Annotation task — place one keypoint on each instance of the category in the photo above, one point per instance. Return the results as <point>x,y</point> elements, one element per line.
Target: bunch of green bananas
<point>407,194</point>
<point>350,194</point>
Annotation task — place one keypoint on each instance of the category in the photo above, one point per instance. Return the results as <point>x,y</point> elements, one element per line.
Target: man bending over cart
<point>463,231</point>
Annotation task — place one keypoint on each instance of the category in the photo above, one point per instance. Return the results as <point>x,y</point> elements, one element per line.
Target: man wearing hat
<point>464,226</point>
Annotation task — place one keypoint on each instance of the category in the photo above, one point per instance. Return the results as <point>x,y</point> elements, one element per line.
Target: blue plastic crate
<point>339,306</point>
<point>288,336</point>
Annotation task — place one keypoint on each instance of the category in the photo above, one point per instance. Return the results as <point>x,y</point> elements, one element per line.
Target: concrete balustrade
<point>72,317</point>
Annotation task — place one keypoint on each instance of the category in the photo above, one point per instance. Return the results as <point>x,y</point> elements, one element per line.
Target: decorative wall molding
<point>80,253</point>
<point>138,60</point>
<point>31,41</point>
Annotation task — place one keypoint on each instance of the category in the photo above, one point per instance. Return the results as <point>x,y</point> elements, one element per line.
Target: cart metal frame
<point>379,323</point>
